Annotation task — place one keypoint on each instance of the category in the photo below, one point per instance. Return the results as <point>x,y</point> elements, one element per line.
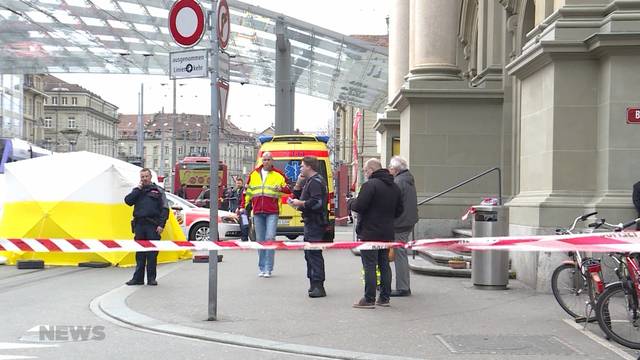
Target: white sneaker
<point>261,274</point>
<point>267,274</point>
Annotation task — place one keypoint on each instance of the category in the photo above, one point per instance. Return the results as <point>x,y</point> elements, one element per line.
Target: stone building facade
<point>33,99</point>
<point>74,114</point>
<point>539,88</point>
<point>237,147</point>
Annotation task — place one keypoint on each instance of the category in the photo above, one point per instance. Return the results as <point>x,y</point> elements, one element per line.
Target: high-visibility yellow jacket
<point>264,195</point>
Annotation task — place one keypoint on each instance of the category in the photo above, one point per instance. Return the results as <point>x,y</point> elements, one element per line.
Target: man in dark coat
<point>150,214</point>
<point>311,192</point>
<point>404,223</point>
<point>235,195</point>
<point>378,204</point>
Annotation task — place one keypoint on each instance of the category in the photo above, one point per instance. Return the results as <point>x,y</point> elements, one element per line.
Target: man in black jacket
<point>310,191</point>
<point>150,214</point>
<point>235,195</point>
<point>378,204</point>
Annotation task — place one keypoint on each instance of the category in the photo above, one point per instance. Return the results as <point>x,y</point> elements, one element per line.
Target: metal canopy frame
<point>132,37</point>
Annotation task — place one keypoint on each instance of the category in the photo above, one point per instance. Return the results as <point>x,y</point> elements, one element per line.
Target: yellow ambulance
<point>287,152</point>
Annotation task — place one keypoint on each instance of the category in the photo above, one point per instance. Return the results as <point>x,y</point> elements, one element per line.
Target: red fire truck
<point>194,172</point>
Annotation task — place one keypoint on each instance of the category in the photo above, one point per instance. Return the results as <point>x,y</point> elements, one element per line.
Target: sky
<point>250,107</point>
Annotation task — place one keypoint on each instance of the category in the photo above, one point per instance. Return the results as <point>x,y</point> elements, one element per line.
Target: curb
<point>112,306</point>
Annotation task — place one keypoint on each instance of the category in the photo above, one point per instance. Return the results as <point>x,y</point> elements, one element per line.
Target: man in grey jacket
<point>403,225</point>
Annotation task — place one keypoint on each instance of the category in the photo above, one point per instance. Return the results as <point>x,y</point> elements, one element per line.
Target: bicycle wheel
<point>570,290</point>
<point>618,315</point>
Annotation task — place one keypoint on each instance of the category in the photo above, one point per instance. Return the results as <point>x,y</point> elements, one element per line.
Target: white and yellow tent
<point>77,195</point>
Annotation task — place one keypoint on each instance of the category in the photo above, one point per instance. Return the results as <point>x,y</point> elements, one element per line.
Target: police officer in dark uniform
<point>310,191</point>
<point>150,214</point>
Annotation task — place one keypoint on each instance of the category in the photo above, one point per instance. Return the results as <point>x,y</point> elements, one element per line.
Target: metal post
<point>184,137</point>
<point>161,170</point>
<point>57,118</point>
<point>173,140</point>
<point>1,106</point>
<point>284,88</point>
<point>141,124</point>
<point>214,152</point>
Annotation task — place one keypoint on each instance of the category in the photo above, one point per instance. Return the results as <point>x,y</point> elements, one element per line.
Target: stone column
<point>389,124</point>
<point>398,45</point>
<point>434,39</point>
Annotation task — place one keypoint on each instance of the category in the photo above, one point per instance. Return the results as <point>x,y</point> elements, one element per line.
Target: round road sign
<point>186,22</point>
<point>224,24</point>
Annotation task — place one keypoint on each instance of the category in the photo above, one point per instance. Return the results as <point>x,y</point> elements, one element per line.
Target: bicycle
<point>577,282</point>
<point>617,309</point>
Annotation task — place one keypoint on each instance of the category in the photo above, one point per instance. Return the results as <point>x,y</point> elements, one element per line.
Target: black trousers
<point>148,259</point>
<point>371,259</point>
<point>314,258</point>
<point>244,232</point>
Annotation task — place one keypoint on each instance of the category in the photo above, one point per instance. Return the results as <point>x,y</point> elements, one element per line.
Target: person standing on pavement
<point>235,194</point>
<point>265,188</point>
<point>242,213</point>
<point>150,214</point>
<point>378,204</point>
<point>224,200</point>
<point>403,225</point>
<point>182,191</point>
<point>310,192</point>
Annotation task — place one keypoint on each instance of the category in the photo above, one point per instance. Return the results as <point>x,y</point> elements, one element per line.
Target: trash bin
<point>489,268</point>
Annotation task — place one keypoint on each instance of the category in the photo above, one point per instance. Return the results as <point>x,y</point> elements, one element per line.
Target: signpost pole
<point>174,133</point>
<point>214,155</point>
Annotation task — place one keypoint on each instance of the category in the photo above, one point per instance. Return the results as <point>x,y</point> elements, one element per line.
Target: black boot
<point>317,290</point>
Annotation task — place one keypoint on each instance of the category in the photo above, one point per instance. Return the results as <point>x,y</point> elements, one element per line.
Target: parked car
<point>195,220</point>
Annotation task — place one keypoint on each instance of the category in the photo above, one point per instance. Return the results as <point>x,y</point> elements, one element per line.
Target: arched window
<point>528,19</point>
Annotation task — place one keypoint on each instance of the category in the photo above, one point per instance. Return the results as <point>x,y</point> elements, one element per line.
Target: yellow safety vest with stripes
<point>264,196</point>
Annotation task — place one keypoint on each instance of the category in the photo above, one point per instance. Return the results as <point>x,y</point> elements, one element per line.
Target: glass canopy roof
<point>132,37</point>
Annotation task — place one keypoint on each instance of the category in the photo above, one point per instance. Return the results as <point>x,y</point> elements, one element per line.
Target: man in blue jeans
<point>265,187</point>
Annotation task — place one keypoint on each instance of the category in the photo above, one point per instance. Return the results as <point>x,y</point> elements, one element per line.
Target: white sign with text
<point>189,64</point>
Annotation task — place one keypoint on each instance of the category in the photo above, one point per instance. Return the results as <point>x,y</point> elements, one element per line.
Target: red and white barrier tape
<point>92,245</point>
<point>598,242</point>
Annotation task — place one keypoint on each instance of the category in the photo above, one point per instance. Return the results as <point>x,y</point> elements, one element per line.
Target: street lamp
<point>72,137</point>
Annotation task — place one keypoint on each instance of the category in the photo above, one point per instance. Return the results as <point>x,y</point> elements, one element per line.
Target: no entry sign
<point>633,115</point>
<point>186,22</point>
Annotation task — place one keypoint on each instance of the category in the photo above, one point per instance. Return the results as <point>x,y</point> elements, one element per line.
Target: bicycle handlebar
<point>630,223</point>
<point>613,227</point>
<point>579,218</point>
<point>585,216</point>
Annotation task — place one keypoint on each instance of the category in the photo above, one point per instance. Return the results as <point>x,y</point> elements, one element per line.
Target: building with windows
<point>77,118</point>
<point>33,108</point>
<point>11,105</point>
<point>237,147</point>
<point>354,126</point>
<point>540,88</point>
